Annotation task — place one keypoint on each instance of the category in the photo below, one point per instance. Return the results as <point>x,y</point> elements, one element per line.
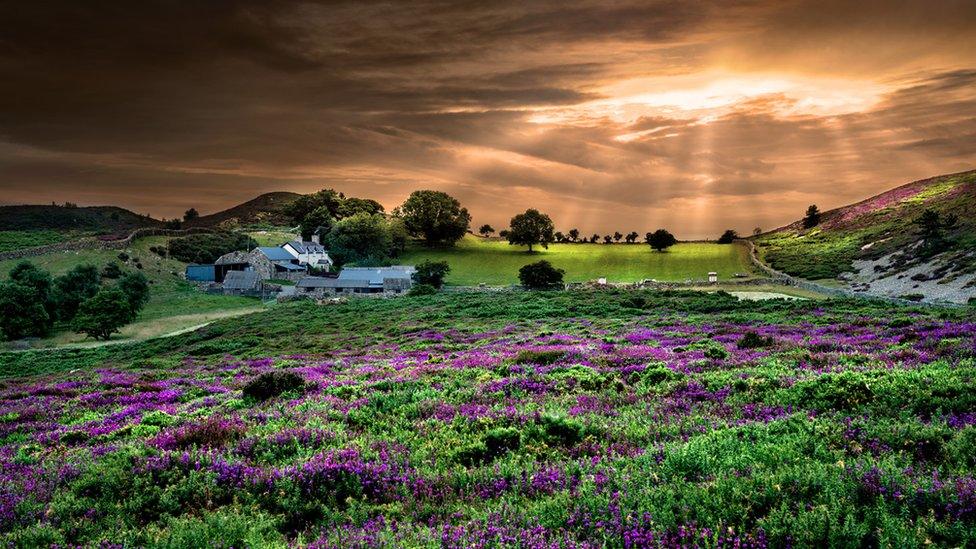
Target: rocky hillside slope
<point>876,245</point>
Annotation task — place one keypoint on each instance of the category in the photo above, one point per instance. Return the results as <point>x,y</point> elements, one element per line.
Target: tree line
<point>32,301</point>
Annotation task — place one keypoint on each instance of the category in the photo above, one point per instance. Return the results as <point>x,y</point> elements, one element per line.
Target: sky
<point>695,116</point>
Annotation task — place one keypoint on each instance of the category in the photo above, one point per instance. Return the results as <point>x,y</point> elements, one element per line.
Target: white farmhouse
<point>310,253</point>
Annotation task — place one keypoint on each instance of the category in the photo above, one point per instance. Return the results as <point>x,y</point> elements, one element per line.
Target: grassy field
<point>173,304</point>
<point>535,419</point>
<point>15,240</point>
<point>494,262</point>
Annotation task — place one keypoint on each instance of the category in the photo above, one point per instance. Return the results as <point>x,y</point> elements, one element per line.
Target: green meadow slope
<point>475,260</point>
<point>878,227</point>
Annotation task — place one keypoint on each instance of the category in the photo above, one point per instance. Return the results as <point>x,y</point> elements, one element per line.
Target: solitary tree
<point>812,219</point>
<point>932,227</point>
<point>573,234</point>
<point>103,314</point>
<point>632,237</point>
<point>530,228</point>
<point>431,273</point>
<point>486,230</point>
<point>435,216</point>
<point>541,275</point>
<point>617,236</point>
<point>728,236</point>
<point>660,240</point>
<point>191,214</point>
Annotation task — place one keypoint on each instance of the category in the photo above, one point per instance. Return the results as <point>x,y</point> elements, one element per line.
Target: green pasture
<point>492,261</point>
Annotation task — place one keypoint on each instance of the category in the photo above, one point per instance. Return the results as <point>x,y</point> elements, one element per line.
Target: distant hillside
<point>96,219</point>
<point>877,239</point>
<point>266,209</point>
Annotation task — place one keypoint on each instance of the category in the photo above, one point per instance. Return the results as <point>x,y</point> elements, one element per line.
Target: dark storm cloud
<point>159,105</point>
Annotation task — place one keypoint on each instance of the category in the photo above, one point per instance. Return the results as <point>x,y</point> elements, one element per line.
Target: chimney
<point>315,237</point>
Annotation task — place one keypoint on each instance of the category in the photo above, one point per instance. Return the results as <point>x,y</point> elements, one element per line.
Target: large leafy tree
<point>660,240</point>
<point>360,237</point>
<point>352,206</point>
<point>435,216</point>
<point>21,314</point>
<point>728,237</point>
<point>74,287</point>
<point>42,287</point>
<point>135,286</point>
<point>531,228</point>
<point>320,219</point>
<point>103,314</point>
<point>329,199</point>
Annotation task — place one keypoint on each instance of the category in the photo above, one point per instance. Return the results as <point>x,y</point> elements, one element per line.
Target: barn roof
<point>276,254</point>
<point>242,280</point>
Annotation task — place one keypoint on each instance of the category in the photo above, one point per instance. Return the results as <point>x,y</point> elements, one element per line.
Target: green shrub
<point>543,358</point>
<point>421,290</point>
<point>752,340</point>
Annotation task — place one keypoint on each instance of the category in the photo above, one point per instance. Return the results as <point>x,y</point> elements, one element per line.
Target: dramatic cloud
<point>610,116</point>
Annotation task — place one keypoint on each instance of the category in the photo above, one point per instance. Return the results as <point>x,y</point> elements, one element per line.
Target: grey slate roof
<point>242,280</point>
<point>276,254</point>
<point>307,247</point>
<point>376,275</point>
<point>290,266</point>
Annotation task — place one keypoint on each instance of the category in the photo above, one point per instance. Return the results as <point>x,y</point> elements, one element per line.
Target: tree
<point>42,287</point>
<point>660,240</point>
<point>812,218</point>
<point>594,238</point>
<point>503,233</point>
<point>607,239</point>
<point>307,203</point>
<point>486,230</point>
<point>360,237</point>
<point>573,234</point>
<point>398,236</point>
<point>320,219</point>
<point>352,206</point>
<point>560,237</point>
<point>431,273</point>
<point>191,214</point>
<point>135,286</point>
<point>757,231</point>
<point>632,237</point>
<point>21,314</point>
<point>103,314</point>
<point>74,287</point>
<point>435,216</point>
<point>932,228</point>
<point>541,275</point>
<point>530,228</point>
<point>617,236</point>
<point>728,237</point>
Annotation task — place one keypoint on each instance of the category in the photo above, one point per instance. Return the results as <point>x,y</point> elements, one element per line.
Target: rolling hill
<point>94,219</point>
<point>266,209</point>
<point>875,246</point>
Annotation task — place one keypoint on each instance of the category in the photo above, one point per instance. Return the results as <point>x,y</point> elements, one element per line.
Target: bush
<point>111,271</point>
<point>543,358</point>
<point>272,384</point>
<point>541,275</point>
<point>752,340</point>
<point>422,289</point>
<point>728,237</point>
<point>431,273</point>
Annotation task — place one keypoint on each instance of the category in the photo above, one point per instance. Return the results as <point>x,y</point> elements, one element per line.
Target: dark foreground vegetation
<point>538,419</point>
